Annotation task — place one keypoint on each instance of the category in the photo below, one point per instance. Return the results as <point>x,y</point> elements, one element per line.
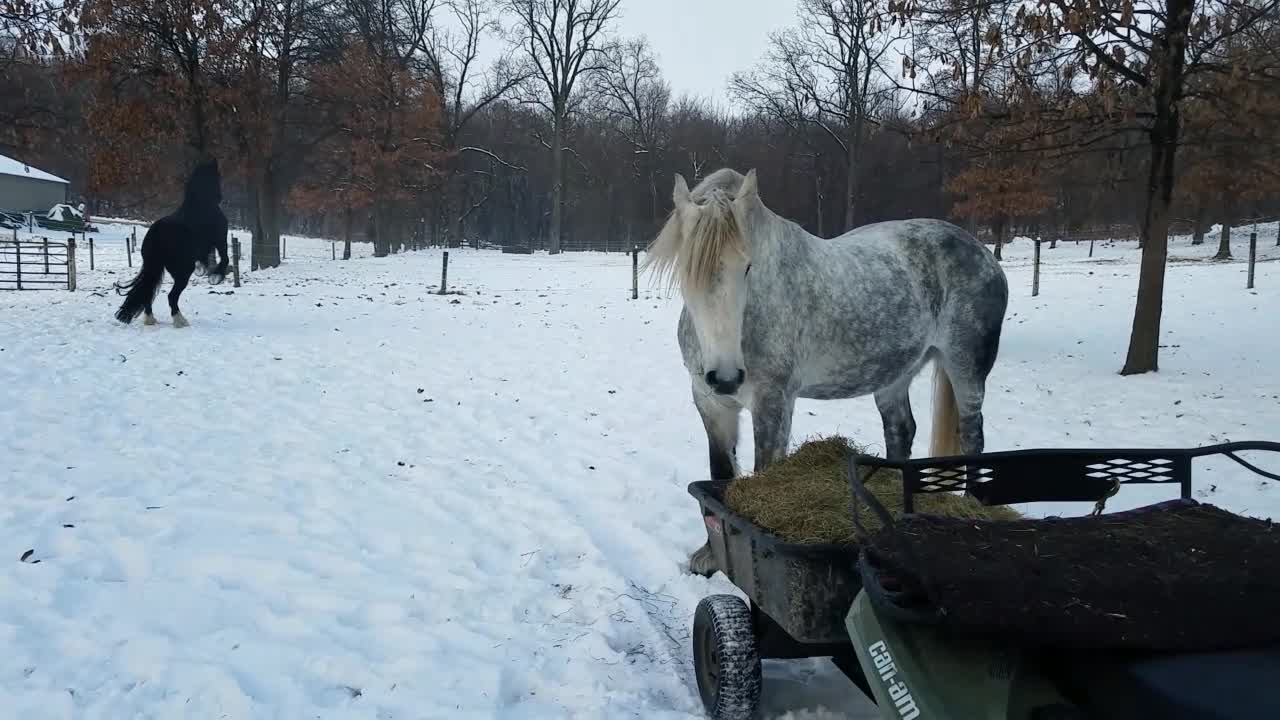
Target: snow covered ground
<point>340,495</point>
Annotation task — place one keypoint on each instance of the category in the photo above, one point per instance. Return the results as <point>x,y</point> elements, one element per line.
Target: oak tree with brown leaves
<point>1130,65</point>
<point>385,149</point>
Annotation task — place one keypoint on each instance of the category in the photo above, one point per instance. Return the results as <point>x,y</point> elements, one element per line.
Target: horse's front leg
<point>771,419</point>
<point>720,420</point>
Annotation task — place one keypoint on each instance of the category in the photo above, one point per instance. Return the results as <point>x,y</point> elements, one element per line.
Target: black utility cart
<point>1102,616</point>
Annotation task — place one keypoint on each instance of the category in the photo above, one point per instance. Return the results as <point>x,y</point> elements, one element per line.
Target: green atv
<point>1166,611</point>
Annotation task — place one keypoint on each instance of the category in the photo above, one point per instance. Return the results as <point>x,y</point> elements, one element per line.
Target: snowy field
<point>339,495</point>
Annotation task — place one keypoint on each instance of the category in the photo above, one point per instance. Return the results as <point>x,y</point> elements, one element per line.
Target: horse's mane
<point>691,260</point>
<point>204,187</point>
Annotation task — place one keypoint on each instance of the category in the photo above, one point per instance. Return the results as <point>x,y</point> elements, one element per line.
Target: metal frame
<point>1057,475</point>
<point>41,264</point>
<point>754,559</point>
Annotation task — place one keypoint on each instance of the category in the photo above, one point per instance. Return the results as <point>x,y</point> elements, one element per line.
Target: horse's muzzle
<point>725,386</point>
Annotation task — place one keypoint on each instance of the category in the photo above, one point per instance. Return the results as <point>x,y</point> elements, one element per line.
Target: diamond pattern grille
<point>947,479</point>
<point>1147,471</point>
<point>958,478</point>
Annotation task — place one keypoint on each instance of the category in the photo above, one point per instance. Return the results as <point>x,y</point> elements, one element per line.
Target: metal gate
<point>37,264</point>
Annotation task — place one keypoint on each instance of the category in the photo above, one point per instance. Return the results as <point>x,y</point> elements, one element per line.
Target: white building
<point>25,189</point>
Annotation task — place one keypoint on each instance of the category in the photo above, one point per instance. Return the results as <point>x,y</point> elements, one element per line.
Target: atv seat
<point>1203,686</point>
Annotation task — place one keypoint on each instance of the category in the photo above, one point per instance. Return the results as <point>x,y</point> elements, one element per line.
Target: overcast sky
<point>699,43</point>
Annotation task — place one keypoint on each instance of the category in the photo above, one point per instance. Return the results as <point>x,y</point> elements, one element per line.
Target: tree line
<point>376,119</point>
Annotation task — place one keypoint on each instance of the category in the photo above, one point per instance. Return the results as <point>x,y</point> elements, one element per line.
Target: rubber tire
<point>726,662</point>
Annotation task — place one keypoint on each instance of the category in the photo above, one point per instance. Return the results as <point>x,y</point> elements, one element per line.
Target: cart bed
<point>806,589</point>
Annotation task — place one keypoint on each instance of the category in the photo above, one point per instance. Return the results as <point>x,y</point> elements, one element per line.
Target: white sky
<point>699,43</point>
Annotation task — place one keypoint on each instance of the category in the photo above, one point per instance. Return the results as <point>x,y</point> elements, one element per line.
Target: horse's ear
<point>680,196</point>
<point>750,189</point>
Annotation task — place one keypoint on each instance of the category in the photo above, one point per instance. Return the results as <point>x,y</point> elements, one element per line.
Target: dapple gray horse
<point>772,314</point>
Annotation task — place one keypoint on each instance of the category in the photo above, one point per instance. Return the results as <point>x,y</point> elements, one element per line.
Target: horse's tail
<point>141,290</point>
<point>945,439</point>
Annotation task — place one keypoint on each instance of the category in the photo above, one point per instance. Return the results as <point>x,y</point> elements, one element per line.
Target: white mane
<point>690,258</point>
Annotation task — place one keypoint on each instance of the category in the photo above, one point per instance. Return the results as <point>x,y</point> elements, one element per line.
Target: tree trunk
<point>346,239</point>
<point>381,233</point>
<point>998,228</point>
<point>655,214</point>
<point>851,185</point>
<point>457,203</point>
<point>1224,242</point>
<point>199,119</point>
<point>1197,232</point>
<point>265,197</point>
<point>439,222</point>
<point>817,196</point>
<point>1224,239</point>
<point>1144,340</point>
<point>557,179</point>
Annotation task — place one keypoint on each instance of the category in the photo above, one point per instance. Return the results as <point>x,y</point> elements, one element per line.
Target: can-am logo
<point>898,691</point>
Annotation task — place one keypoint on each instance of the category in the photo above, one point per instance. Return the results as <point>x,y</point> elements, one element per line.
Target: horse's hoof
<point>179,321</point>
<point>149,320</point>
<point>703,562</point>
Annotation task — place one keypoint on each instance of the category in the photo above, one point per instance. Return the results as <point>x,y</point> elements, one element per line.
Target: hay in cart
<point>804,498</point>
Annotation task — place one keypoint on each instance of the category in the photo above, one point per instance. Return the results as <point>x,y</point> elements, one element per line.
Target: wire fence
<point>494,269</point>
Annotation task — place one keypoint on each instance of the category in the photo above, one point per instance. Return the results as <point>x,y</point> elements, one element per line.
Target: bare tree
<point>564,40</point>
<point>827,72</point>
<point>466,90</point>
<point>634,97</point>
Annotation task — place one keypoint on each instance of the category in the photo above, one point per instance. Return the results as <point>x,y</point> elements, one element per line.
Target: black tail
<point>141,290</point>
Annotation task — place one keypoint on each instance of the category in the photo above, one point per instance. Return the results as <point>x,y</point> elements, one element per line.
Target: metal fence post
<point>444,273</point>
<point>71,264</point>
<point>1035,272</point>
<point>91,264</point>
<point>17,256</point>
<point>1253,255</point>
<point>235,261</point>
<point>46,255</point>
<point>635,272</point>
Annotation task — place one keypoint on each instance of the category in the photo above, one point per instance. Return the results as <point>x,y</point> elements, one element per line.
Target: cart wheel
<point>725,658</point>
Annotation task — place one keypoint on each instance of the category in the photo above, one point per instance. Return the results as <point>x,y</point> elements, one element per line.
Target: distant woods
<point>377,119</point>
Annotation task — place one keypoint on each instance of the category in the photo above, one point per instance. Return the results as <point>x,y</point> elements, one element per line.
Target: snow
<point>10,166</point>
<point>341,495</point>
<point>64,213</point>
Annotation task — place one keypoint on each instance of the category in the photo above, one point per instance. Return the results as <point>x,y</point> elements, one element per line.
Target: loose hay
<point>804,498</point>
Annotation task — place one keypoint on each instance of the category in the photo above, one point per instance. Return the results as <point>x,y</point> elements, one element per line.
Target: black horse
<point>178,243</point>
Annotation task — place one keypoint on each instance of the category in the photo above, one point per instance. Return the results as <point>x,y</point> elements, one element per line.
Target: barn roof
<point>9,166</point>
